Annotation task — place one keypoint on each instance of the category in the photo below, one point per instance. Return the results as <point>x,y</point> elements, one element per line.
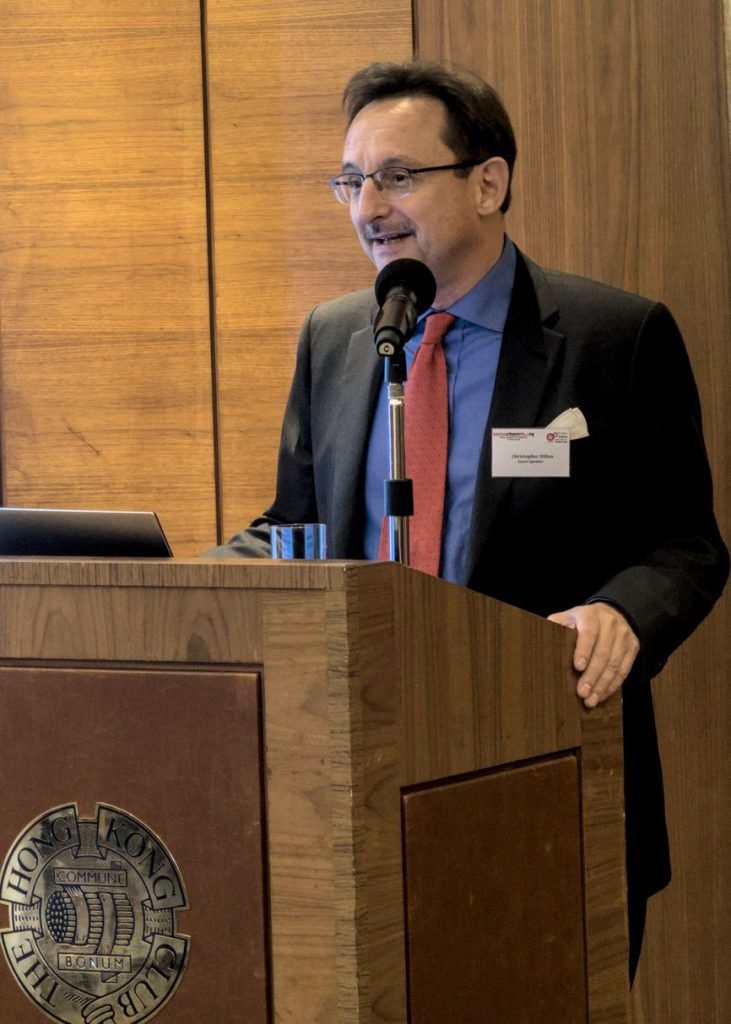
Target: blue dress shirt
<point>472,349</point>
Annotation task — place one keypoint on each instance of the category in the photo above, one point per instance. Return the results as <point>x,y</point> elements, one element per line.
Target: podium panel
<point>501,851</point>
<point>151,766</point>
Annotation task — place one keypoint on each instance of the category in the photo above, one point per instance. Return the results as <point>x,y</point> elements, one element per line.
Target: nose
<point>371,203</point>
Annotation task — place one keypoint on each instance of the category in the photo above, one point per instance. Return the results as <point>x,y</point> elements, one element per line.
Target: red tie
<point>427,439</point>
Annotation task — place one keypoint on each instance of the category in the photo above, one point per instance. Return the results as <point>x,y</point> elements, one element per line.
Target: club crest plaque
<point>93,904</point>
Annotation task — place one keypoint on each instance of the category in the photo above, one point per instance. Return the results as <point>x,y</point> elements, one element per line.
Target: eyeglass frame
<point>461,166</point>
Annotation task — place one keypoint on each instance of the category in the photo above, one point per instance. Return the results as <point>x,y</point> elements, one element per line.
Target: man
<point>625,550</point>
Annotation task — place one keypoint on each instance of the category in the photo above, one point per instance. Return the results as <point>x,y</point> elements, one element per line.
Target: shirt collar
<point>486,303</point>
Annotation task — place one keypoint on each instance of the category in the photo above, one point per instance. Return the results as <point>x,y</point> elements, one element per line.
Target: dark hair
<point>477,122</point>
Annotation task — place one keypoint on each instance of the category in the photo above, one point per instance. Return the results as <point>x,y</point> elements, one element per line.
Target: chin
<point>382,259</point>
<point>401,252</point>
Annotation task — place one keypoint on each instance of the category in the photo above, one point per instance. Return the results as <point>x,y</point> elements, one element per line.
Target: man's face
<point>440,221</point>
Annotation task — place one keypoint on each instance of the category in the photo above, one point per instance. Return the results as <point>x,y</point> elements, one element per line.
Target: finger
<point>613,672</point>
<point>583,619</point>
<point>567,618</point>
<point>588,643</point>
<point>600,665</point>
<point>608,683</point>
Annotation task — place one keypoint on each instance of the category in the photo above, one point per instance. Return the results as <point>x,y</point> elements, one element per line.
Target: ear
<point>493,178</point>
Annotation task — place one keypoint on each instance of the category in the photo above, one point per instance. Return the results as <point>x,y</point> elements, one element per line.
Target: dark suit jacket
<point>633,525</point>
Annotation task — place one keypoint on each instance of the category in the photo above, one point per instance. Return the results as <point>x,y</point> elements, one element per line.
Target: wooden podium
<point>383,799</point>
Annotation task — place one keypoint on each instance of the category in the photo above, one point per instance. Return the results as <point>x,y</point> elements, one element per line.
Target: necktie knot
<point>436,326</point>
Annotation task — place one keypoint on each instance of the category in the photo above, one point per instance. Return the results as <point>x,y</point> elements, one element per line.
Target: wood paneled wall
<point>622,175</point>
<point>282,243</point>
<point>104,317</point>
<point>120,212</point>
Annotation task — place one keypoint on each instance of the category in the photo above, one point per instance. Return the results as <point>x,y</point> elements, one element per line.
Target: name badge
<point>531,452</point>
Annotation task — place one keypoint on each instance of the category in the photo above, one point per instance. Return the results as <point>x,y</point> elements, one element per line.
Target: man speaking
<point>619,540</point>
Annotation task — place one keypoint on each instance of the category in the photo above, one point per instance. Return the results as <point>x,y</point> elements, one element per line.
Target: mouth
<point>389,240</point>
<point>385,247</point>
<point>383,241</point>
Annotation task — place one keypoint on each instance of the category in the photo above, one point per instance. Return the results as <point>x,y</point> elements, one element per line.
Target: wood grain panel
<point>106,393</point>
<point>303,933</point>
<point>623,168</point>
<point>501,850</point>
<point>281,242</point>
<point>141,741</point>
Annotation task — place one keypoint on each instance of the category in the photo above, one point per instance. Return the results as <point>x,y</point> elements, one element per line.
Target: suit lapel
<point>529,358</point>
<point>530,355</point>
<point>359,391</point>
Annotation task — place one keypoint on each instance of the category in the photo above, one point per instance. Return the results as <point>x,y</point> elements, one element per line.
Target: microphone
<point>404,289</point>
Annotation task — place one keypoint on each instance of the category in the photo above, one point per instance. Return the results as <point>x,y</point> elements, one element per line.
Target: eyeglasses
<point>396,181</point>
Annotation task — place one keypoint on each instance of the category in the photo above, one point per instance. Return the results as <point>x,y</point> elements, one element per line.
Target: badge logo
<point>92,937</point>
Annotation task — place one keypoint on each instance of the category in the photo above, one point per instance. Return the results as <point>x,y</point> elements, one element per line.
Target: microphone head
<point>412,275</point>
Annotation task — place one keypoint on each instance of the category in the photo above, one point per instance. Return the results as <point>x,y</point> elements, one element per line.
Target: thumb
<point>567,619</point>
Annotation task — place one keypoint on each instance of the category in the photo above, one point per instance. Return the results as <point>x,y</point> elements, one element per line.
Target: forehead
<point>405,129</point>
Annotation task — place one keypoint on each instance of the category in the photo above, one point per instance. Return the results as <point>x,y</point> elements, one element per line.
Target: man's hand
<point>606,648</point>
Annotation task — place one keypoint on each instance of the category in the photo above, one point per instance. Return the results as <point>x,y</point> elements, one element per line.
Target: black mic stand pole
<point>398,495</point>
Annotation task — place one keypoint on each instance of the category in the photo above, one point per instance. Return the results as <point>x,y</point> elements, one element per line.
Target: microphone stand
<point>398,494</point>
<point>404,288</point>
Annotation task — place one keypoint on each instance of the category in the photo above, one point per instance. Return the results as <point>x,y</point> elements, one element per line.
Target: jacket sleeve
<point>681,564</point>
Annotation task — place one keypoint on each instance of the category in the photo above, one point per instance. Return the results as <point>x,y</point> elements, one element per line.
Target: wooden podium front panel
<point>494,898</point>
<point>180,751</point>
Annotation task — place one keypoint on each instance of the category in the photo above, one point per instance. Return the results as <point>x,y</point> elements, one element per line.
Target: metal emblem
<point>92,937</point>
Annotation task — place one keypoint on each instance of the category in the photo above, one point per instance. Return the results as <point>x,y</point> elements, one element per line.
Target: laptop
<point>72,533</point>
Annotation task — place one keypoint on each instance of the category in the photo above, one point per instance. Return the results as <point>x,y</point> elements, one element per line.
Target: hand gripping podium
<point>248,792</point>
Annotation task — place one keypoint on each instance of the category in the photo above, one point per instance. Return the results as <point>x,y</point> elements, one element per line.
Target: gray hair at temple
<point>477,122</point>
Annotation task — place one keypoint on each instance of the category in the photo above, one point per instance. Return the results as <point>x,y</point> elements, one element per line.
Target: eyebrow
<point>393,161</point>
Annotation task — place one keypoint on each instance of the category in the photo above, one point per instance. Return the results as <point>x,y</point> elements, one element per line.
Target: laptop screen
<point>70,533</point>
